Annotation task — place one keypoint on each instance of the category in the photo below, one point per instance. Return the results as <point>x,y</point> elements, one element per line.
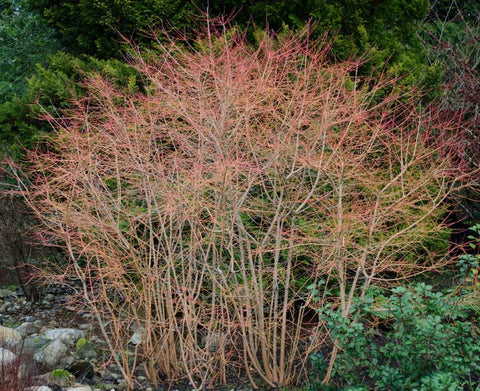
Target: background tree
<point>25,41</point>
<point>385,29</point>
<point>451,33</point>
<point>93,27</point>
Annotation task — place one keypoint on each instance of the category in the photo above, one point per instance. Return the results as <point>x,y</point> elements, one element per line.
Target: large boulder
<point>26,329</point>
<point>86,349</point>
<point>7,357</point>
<point>56,354</point>
<point>9,337</point>
<point>68,336</point>
<point>34,343</point>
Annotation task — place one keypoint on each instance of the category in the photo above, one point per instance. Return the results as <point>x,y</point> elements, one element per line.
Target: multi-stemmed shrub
<point>19,255</point>
<point>197,212</point>
<point>17,368</point>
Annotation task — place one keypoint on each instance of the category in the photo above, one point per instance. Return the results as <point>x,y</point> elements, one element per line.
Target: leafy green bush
<point>414,339</point>
<point>469,270</point>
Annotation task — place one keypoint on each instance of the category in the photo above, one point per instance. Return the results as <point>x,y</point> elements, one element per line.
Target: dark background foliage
<point>35,36</point>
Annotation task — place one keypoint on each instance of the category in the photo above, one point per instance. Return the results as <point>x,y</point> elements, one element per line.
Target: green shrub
<point>422,340</point>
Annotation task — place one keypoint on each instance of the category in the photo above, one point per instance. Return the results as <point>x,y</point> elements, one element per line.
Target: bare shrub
<point>17,368</point>
<point>451,33</point>
<point>19,252</point>
<point>199,211</point>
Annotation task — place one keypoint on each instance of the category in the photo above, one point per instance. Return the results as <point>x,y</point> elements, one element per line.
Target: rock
<point>13,309</point>
<point>6,293</point>
<point>54,355</point>
<point>112,376</point>
<point>26,329</point>
<point>79,388</point>
<point>98,341</point>
<point>136,338</point>
<point>7,357</point>
<point>104,386</point>
<point>7,333</point>
<point>67,336</point>
<point>45,340</point>
<point>121,385</point>
<point>23,302</point>
<point>86,349</point>
<point>57,377</point>
<point>49,297</point>
<point>34,343</point>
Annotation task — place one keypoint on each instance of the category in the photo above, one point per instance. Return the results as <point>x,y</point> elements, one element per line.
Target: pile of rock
<point>39,355</point>
<point>49,346</point>
<point>60,358</point>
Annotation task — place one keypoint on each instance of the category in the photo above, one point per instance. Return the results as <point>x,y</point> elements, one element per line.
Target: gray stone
<point>54,355</point>
<point>86,350</point>
<point>9,335</point>
<point>79,388</point>
<point>41,388</point>
<point>34,343</point>
<point>122,385</point>
<point>46,304</point>
<point>6,293</point>
<point>67,336</point>
<point>97,341</point>
<point>6,357</point>
<point>26,329</point>
<point>136,338</point>
<point>62,379</point>
<point>13,309</point>
<point>49,297</point>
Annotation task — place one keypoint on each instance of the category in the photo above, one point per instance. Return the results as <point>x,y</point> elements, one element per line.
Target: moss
<point>81,342</point>
<point>61,374</point>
